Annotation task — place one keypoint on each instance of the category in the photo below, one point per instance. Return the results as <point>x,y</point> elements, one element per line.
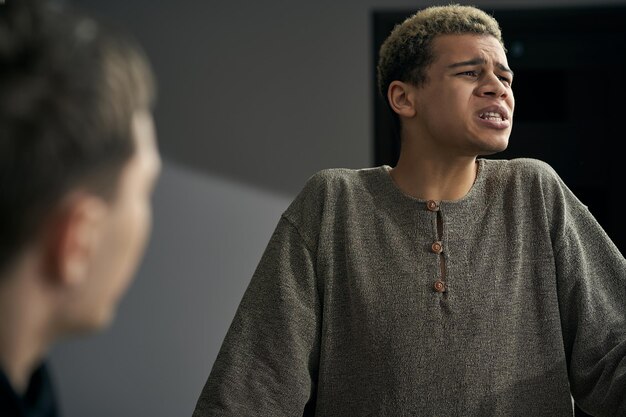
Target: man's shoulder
<point>521,165</point>
<point>331,181</point>
<point>530,179</point>
<point>350,176</point>
<point>524,170</point>
<point>327,190</point>
<point>531,166</point>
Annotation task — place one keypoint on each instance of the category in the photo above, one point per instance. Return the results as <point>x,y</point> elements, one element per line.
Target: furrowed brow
<point>471,62</point>
<point>479,61</point>
<point>505,69</point>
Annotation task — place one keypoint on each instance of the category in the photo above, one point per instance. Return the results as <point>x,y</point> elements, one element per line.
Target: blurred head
<point>408,51</point>
<point>78,156</point>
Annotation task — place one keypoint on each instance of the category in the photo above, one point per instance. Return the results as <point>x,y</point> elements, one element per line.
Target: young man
<point>78,161</point>
<point>448,285</point>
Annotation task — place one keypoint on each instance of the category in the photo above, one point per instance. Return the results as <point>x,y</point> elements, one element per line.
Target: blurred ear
<point>72,238</point>
<point>401,98</point>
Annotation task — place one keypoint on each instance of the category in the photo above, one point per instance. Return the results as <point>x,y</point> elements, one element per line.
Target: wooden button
<point>432,205</point>
<point>436,247</point>
<point>439,286</point>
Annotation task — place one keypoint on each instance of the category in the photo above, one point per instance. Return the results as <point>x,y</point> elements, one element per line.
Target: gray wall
<point>254,97</point>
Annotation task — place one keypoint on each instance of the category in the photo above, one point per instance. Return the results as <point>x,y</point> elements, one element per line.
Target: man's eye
<point>505,80</point>
<point>470,73</point>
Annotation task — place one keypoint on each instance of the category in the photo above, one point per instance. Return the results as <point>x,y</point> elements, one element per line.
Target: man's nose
<point>493,86</point>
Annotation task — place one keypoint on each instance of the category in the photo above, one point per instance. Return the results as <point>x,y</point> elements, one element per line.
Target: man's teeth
<point>490,115</point>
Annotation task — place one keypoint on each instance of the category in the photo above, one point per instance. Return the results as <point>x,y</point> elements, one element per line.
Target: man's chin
<point>495,146</point>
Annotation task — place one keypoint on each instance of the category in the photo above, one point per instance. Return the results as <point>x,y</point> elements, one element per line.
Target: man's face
<point>465,107</point>
<point>124,234</point>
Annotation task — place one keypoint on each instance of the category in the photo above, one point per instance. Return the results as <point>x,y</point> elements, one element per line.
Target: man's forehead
<point>465,47</point>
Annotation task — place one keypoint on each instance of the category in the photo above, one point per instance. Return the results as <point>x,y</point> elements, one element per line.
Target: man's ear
<point>72,237</point>
<point>401,98</point>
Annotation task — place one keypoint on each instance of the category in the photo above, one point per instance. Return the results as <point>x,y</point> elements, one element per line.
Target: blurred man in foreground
<point>78,162</point>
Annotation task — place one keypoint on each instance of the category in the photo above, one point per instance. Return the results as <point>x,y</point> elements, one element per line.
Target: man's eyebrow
<point>479,61</point>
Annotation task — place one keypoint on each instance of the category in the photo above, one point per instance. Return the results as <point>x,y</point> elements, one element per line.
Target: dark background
<point>570,68</point>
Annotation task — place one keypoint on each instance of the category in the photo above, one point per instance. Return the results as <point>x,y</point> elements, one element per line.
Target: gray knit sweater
<point>344,317</point>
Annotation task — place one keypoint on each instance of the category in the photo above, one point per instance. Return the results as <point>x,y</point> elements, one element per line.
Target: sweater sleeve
<point>267,364</point>
<point>591,277</point>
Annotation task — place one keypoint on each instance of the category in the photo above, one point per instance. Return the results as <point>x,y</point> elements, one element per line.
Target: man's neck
<point>23,330</point>
<point>435,179</point>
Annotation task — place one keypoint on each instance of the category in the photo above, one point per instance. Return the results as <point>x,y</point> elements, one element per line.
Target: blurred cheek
<point>133,236</point>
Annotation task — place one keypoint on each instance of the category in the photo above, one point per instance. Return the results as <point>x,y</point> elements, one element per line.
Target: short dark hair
<point>69,89</point>
<point>407,52</point>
